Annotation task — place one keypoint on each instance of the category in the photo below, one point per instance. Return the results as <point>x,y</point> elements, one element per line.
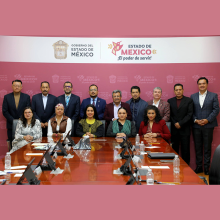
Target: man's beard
<point>93,96</point>
<point>67,93</point>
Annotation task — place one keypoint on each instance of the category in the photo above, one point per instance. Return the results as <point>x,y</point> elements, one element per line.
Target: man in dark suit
<point>181,111</point>
<point>43,105</point>
<point>94,100</point>
<point>111,109</point>
<point>14,104</point>
<point>137,106</point>
<point>206,109</point>
<point>71,103</point>
<point>163,106</point>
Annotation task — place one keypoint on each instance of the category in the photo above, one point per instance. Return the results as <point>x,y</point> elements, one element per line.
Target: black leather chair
<point>14,125</point>
<point>214,172</point>
<point>103,122</point>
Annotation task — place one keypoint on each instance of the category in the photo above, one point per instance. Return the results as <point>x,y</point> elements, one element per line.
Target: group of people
<point>48,115</point>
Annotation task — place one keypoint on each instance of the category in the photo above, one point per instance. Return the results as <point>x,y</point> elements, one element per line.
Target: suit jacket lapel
<point>13,101</point>
<point>41,101</point>
<point>206,99</point>
<point>182,102</point>
<point>97,103</point>
<point>160,106</point>
<point>20,101</point>
<point>48,100</point>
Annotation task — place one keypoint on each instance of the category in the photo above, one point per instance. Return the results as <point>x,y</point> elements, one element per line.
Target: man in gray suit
<point>206,109</point>
<point>137,106</point>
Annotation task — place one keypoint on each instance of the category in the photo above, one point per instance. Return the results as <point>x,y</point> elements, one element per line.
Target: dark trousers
<point>9,133</point>
<point>44,132</point>
<point>185,145</point>
<point>203,137</point>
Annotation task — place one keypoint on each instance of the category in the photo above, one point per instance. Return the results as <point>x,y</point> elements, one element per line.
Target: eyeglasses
<point>68,87</point>
<point>16,86</point>
<point>93,90</point>
<point>27,113</point>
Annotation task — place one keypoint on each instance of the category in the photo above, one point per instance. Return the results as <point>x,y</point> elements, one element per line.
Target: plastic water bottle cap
<point>137,134</point>
<point>149,170</point>
<point>176,156</point>
<point>142,142</point>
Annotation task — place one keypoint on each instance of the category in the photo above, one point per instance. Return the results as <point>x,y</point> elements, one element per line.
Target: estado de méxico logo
<point>135,51</point>
<point>60,49</point>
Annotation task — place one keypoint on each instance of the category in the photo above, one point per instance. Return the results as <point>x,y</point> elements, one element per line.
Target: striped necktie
<point>67,100</point>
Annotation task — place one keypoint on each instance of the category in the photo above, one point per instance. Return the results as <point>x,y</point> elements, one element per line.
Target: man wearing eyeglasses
<point>14,104</point>
<point>94,100</point>
<point>71,102</point>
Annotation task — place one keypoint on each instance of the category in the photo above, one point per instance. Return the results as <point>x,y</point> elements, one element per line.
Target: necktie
<point>93,102</point>
<point>67,100</point>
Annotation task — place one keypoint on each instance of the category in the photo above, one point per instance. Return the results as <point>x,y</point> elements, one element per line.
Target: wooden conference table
<point>95,167</point>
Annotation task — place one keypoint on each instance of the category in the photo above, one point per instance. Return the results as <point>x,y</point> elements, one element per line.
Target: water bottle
<point>176,164</point>
<point>142,146</point>
<point>137,139</point>
<point>150,177</point>
<point>8,161</point>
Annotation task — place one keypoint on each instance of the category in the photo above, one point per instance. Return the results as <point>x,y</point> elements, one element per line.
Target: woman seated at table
<point>90,125</point>
<point>28,129</point>
<point>153,125</point>
<point>59,125</point>
<point>121,127</point>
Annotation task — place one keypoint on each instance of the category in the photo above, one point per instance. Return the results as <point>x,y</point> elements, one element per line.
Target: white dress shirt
<point>202,98</point>
<point>45,100</point>
<point>95,100</point>
<point>68,128</point>
<point>156,104</point>
<point>116,110</point>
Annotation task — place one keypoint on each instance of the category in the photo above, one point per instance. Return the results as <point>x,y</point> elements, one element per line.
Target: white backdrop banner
<point>110,50</point>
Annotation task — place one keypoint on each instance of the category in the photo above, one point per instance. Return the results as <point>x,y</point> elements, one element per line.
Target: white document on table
<point>18,167</point>
<point>18,175</point>
<point>159,167</point>
<point>2,173</point>
<point>34,154</point>
<point>40,144</point>
<point>14,171</point>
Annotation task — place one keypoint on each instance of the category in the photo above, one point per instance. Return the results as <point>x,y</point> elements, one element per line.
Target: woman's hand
<point>57,135</point>
<point>150,135</point>
<point>121,135</point>
<point>28,138</point>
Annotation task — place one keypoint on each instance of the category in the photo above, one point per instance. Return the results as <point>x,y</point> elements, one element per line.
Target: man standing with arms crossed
<point>206,109</point>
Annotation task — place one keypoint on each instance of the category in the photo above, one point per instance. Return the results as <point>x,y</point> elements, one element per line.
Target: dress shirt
<point>116,110</point>
<point>91,100</point>
<point>202,98</point>
<point>45,100</point>
<point>156,104</point>
<point>68,128</point>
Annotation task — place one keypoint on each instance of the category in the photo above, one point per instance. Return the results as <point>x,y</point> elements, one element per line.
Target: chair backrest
<point>214,172</point>
<point>14,125</point>
<point>72,132</point>
<point>103,122</point>
<point>169,125</point>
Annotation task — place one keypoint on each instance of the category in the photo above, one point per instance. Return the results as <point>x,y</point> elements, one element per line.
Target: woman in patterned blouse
<point>28,129</point>
<point>90,125</point>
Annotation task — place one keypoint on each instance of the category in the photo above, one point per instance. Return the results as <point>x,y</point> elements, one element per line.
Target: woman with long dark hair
<point>90,125</point>
<point>28,129</point>
<point>153,125</point>
<point>121,127</point>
